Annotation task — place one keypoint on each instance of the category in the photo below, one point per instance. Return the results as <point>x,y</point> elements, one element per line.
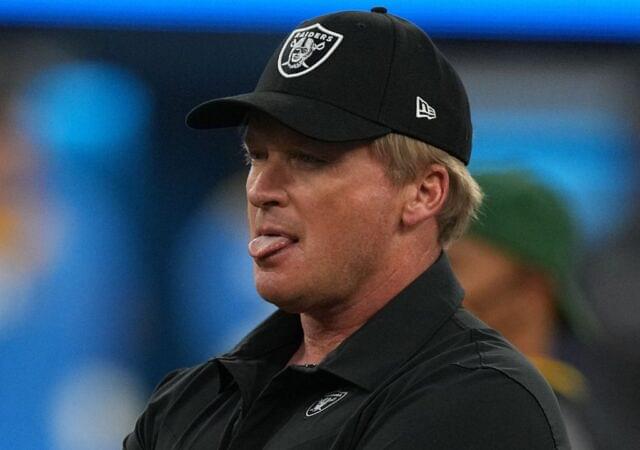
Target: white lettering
<point>313,35</point>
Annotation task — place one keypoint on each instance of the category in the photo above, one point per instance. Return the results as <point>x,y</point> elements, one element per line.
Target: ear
<point>426,195</point>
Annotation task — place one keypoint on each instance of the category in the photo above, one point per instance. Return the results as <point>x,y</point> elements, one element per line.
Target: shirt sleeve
<point>131,442</point>
<point>144,434</point>
<point>487,412</point>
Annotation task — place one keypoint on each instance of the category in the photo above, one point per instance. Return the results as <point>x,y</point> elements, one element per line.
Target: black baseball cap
<point>355,75</point>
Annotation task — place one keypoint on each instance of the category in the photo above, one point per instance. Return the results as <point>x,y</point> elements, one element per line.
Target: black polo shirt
<point>422,373</point>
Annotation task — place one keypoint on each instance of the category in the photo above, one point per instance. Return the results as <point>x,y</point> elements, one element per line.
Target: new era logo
<point>423,109</point>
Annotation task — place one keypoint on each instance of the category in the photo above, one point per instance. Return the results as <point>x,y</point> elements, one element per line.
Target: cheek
<point>342,221</point>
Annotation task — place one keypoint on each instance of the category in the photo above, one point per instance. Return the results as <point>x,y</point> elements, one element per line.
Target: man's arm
<point>131,442</point>
<point>143,435</point>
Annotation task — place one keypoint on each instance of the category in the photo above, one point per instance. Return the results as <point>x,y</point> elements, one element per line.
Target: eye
<point>308,158</point>
<point>251,156</point>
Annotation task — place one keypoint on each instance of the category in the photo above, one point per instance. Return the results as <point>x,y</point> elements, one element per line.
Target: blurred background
<point>122,236</point>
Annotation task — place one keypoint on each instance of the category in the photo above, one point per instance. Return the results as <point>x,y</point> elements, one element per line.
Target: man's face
<point>321,217</point>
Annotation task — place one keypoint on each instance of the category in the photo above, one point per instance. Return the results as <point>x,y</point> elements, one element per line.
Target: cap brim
<point>310,117</point>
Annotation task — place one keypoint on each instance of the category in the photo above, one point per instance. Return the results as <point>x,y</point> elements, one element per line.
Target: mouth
<point>268,244</point>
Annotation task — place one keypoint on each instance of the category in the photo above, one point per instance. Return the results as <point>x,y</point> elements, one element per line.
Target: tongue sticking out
<point>264,246</point>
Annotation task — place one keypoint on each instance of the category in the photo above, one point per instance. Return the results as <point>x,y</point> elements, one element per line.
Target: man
<point>357,146</point>
<point>515,264</point>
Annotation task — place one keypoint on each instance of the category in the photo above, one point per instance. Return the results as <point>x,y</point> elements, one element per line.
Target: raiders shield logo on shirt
<point>325,402</point>
<point>306,48</point>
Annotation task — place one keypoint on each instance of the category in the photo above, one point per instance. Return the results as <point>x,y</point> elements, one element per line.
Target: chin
<point>288,303</point>
<point>274,292</point>
<point>289,291</point>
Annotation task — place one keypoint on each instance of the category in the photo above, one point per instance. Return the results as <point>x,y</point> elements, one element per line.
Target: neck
<point>324,330</point>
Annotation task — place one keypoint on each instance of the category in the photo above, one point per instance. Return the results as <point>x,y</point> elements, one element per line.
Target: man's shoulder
<point>482,349</point>
<point>479,383</point>
<point>465,345</point>
<point>176,398</point>
<point>203,376</point>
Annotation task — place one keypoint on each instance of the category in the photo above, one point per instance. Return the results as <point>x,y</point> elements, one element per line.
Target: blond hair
<point>406,158</point>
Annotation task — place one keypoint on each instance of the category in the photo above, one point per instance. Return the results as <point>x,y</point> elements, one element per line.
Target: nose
<point>266,185</point>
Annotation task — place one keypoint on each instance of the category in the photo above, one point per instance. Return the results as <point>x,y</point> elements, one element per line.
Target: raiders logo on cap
<point>305,49</point>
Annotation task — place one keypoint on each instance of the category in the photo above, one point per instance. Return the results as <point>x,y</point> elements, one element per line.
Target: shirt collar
<point>279,330</point>
<point>401,328</point>
<point>396,332</point>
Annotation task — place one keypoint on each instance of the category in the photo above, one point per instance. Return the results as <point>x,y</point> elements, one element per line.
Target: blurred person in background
<point>516,264</point>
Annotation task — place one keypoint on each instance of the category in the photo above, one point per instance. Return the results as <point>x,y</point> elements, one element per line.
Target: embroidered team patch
<point>325,402</point>
<point>306,48</point>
